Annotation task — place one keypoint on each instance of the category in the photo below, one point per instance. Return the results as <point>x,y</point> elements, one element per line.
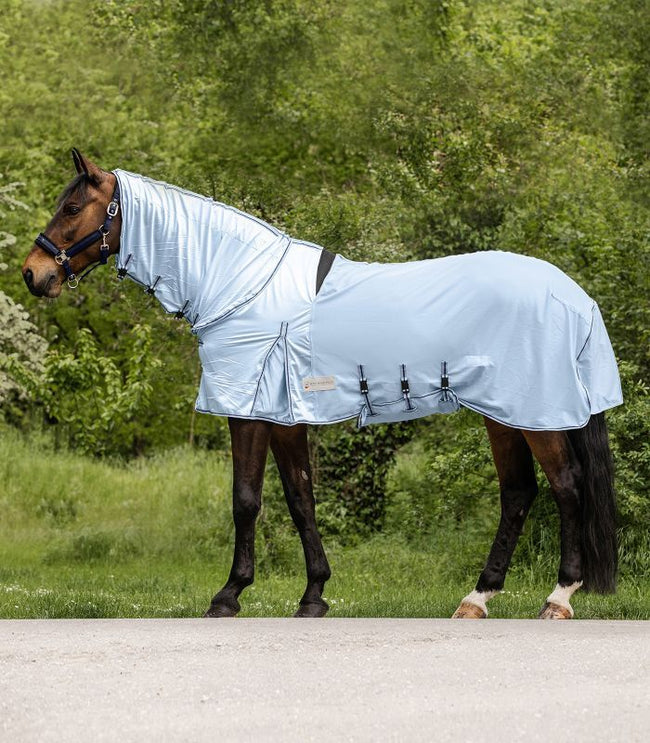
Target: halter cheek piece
<point>62,257</point>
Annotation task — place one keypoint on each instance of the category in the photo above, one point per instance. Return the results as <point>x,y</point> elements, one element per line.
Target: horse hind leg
<point>291,452</point>
<point>557,605</point>
<point>553,451</point>
<point>518,486</point>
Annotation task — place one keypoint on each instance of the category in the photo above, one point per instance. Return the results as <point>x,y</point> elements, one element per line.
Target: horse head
<point>83,232</point>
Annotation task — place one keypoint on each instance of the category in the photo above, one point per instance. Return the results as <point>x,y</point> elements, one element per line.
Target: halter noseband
<point>62,257</point>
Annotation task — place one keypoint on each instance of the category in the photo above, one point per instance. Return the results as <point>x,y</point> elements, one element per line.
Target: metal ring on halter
<point>73,281</point>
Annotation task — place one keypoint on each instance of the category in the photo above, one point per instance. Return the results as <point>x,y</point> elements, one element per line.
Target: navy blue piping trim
<point>352,416</point>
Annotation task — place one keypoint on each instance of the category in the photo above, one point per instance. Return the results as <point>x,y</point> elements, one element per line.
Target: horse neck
<point>194,250</point>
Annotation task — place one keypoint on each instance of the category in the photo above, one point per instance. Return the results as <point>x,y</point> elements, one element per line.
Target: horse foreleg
<point>250,445</point>
<point>289,447</point>
<point>553,451</point>
<point>518,485</point>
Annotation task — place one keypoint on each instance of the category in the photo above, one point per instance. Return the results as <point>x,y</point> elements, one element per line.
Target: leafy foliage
<point>444,479</point>
<point>630,433</point>
<point>350,469</point>
<point>390,130</point>
<point>98,403</point>
<point>21,347</point>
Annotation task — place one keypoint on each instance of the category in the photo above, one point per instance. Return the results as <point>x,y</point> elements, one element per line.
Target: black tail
<point>599,548</point>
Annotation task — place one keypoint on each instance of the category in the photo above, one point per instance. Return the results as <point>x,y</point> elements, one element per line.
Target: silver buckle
<point>61,258</point>
<point>112,209</point>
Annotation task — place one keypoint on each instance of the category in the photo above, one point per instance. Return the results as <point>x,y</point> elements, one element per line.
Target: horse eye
<point>72,209</point>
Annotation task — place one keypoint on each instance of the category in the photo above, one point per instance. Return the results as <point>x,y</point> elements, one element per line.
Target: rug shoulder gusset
<point>254,358</point>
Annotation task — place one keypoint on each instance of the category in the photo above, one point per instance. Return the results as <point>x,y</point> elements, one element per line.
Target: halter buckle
<point>112,209</point>
<point>61,258</point>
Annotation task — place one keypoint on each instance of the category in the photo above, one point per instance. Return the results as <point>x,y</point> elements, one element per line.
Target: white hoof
<point>469,611</point>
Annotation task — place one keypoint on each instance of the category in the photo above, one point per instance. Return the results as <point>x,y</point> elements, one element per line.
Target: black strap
<point>123,270</point>
<point>324,265</point>
<point>444,382</point>
<point>151,290</point>
<point>406,388</point>
<point>43,241</point>
<point>365,391</point>
<point>181,313</point>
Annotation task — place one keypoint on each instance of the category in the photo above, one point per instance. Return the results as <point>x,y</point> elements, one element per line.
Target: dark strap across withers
<point>324,265</point>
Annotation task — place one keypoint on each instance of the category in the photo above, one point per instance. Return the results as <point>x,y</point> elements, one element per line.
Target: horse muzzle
<point>42,281</point>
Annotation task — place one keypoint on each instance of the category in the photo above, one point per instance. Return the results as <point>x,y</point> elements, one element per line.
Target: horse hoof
<point>312,609</point>
<point>222,610</point>
<point>469,611</point>
<point>554,611</point>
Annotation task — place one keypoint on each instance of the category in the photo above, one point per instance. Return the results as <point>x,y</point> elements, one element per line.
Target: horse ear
<point>78,160</point>
<point>86,166</point>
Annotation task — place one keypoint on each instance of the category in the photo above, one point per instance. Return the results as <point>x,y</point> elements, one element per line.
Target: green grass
<point>83,538</point>
<point>148,588</point>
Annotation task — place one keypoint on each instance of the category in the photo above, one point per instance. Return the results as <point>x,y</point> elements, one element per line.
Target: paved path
<point>324,680</point>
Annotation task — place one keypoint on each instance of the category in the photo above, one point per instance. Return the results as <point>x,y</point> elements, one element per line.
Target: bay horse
<point>94,219</point>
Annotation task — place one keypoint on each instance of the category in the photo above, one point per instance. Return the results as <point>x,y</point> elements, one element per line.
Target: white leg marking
<point>562,594</point>
<point>479,599</point>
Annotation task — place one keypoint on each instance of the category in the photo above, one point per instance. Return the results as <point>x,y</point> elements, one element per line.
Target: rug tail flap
<point>597,367</point>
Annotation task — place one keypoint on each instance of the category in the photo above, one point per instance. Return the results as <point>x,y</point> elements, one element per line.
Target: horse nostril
<point>29,277</point>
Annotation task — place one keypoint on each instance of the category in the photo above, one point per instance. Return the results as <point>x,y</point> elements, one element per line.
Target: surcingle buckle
<point>181,313</point>
<point>151,290</point>
<point>406,389</point>
<point>122,271</point>
<point>448,401</point>
<point>363,388</point>
<point>444,382</point>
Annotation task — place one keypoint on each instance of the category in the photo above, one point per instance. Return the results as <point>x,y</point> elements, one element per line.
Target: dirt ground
<point>324,680</point>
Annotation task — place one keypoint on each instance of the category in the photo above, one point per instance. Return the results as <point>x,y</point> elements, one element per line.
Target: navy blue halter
<point>62,257</point>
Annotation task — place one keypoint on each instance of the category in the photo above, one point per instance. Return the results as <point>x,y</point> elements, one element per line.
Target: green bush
<point>629,428</point>
<point>21,346</point>
<point>350,468</point>
<point>96,403</point>
<point>386,131</point>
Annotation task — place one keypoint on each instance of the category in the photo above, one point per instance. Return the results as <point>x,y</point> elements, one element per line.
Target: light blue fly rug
<point>510,337</point>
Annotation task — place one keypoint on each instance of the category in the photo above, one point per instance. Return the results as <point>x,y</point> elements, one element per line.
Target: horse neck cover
<point>516,339</point>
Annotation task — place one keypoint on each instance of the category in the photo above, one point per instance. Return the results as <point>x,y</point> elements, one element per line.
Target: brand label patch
<point>318,384</point>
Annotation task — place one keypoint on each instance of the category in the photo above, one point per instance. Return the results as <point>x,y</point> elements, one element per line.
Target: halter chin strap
<point>62,257</point>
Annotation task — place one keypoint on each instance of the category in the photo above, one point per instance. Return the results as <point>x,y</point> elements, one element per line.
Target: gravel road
<point>324,680</point>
